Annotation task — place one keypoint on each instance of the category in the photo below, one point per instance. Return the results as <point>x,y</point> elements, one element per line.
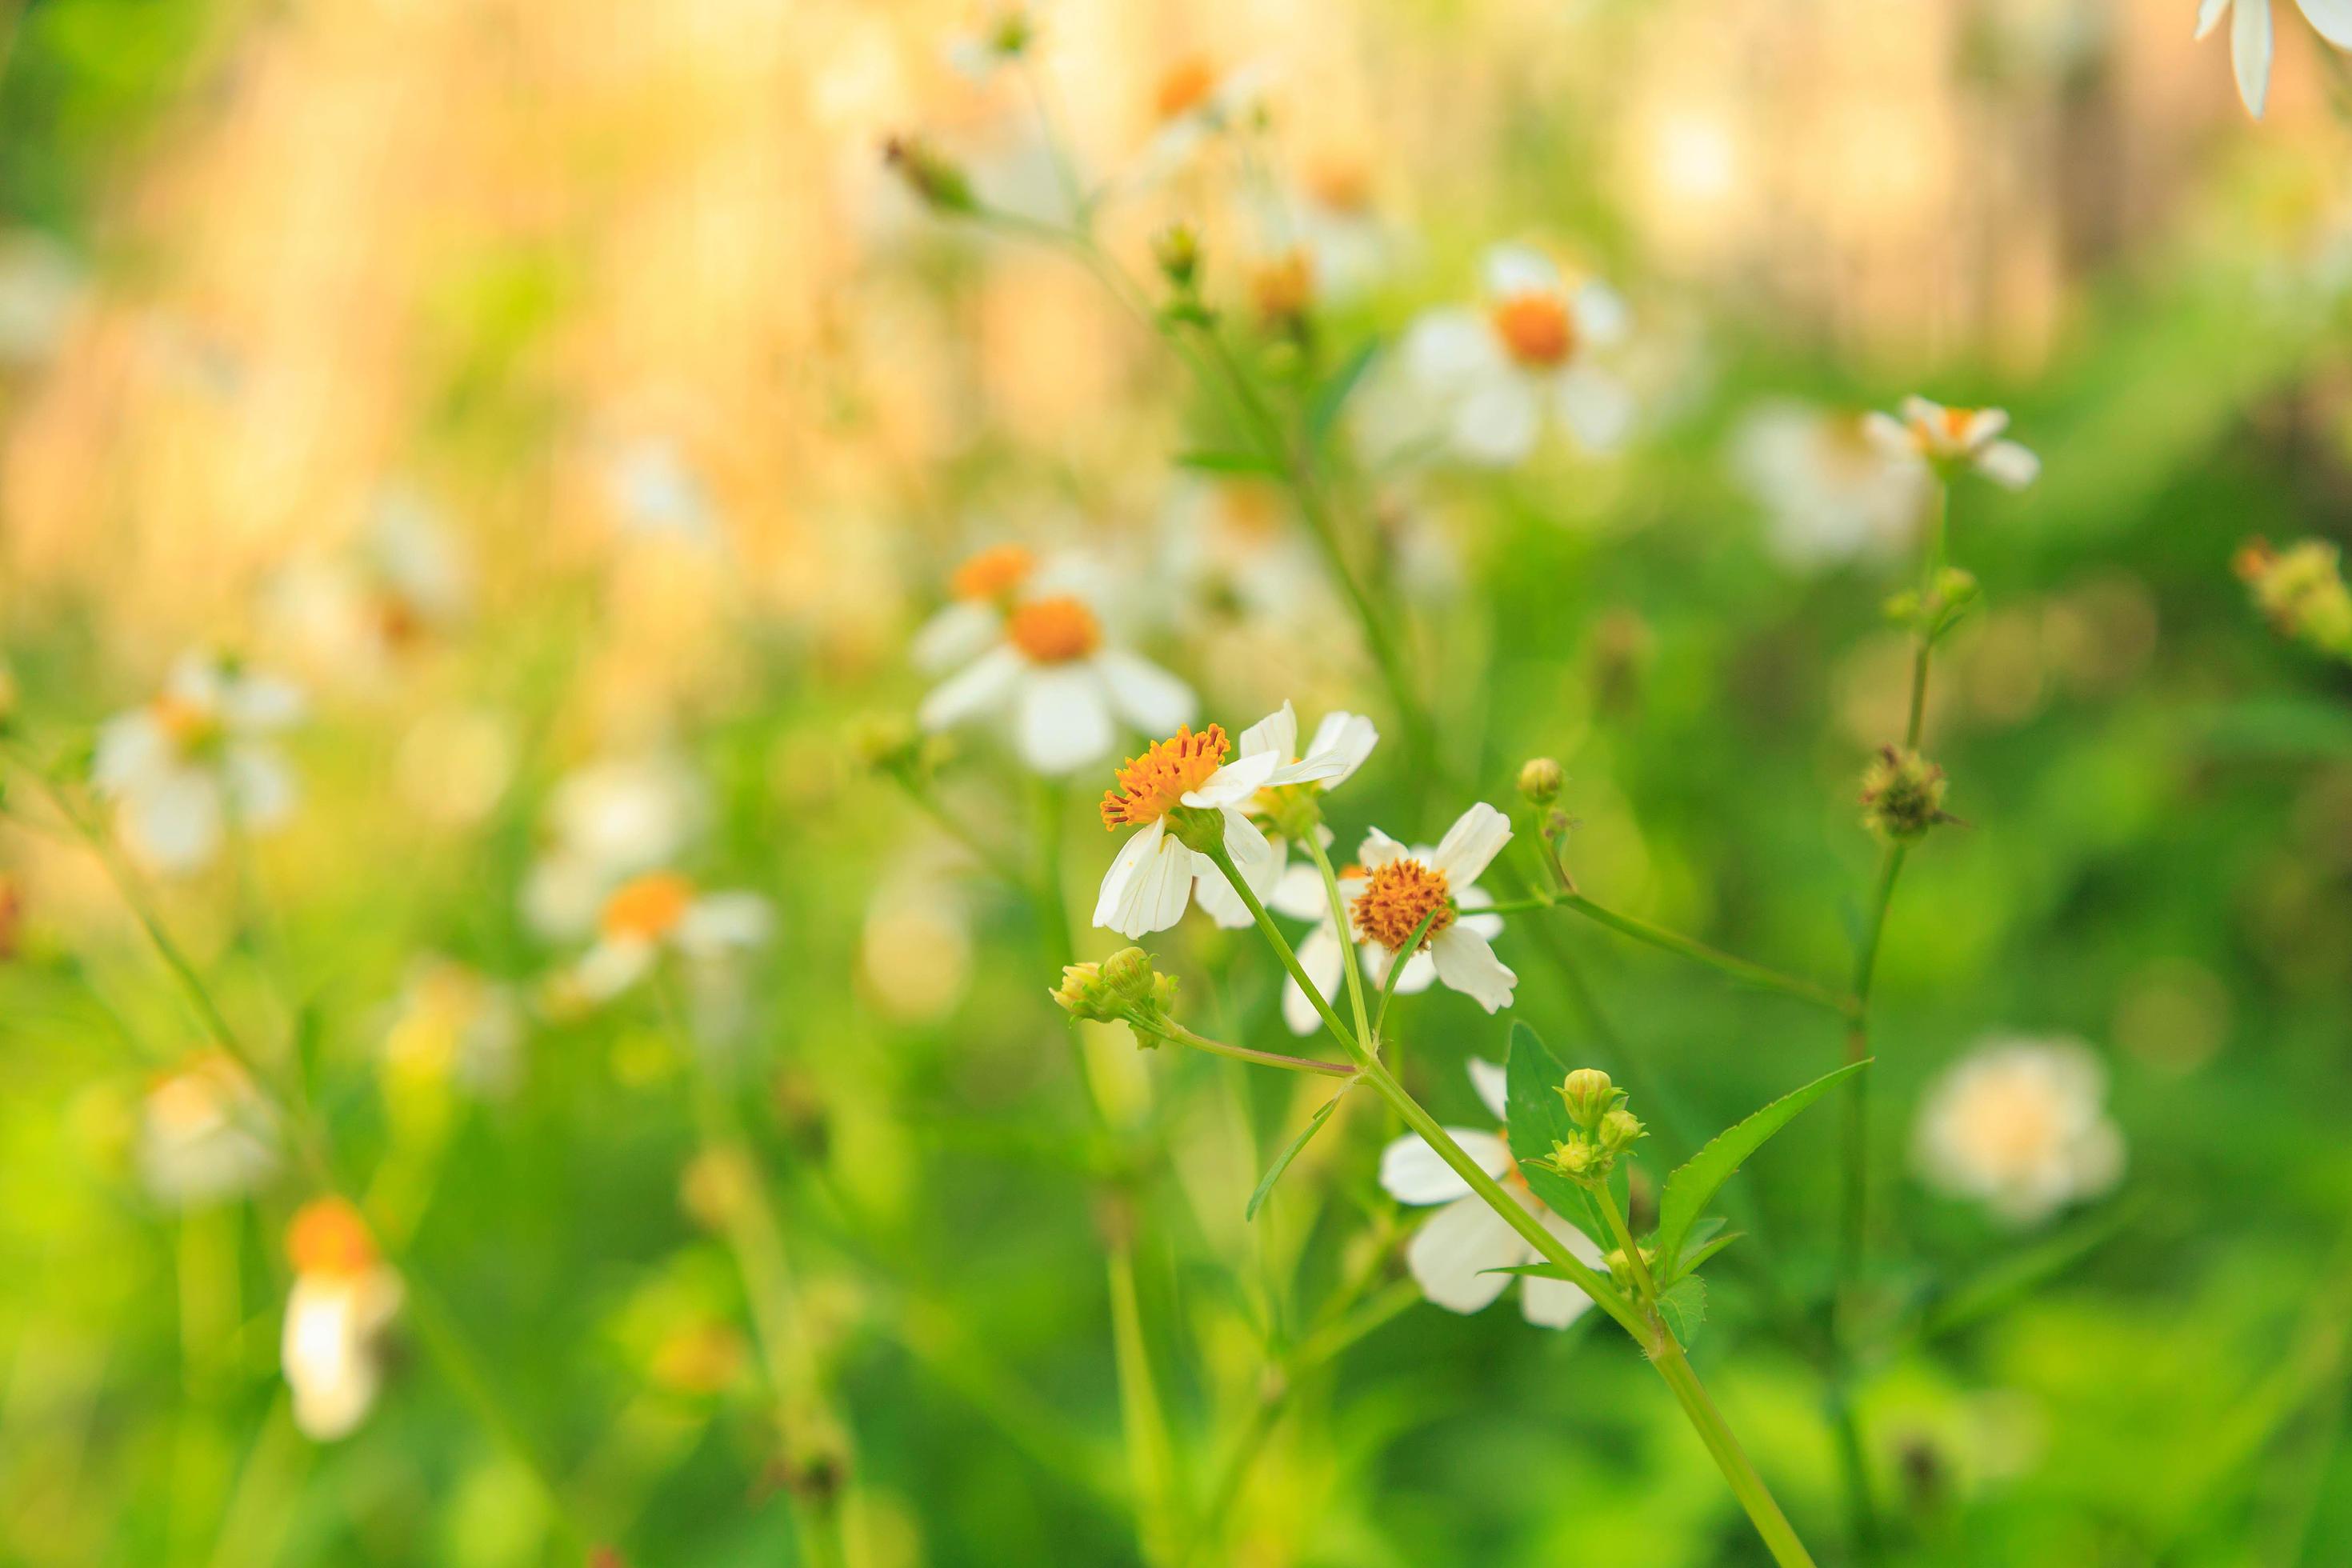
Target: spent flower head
<point>1902,795</point>
<point>2301,591</point>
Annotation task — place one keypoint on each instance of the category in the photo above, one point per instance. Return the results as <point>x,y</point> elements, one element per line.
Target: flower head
<point>1285,804</point>
<point>342,1298</point>
<point>662,912</point>
<point>199,760</point>
<point>206,1133</point>
<point>1457,1256</point>
<point>615,818</point>
<point>1830,492</point>
<point>1948,440</point>
<point>2020,1125</point>
<point>2301,591</point>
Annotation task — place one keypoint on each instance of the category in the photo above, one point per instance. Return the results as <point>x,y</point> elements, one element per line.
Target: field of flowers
<point>1348,781</point>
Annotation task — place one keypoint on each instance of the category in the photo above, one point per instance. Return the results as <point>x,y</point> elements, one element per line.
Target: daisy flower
<point>452,1024</point>
<point>605,823</point>
<point>2020,1125</point>
<point>2250,38</point>
<point>197,760</point>
<point>664,912</point>
<point>342,1298</point>
<point>408,579</point>
<point>205,1134</point>
<point>1229,552</point>
<point>1330,215</point>
<point>1490,378</point>
<point>1948,439</point>
<point>1151,882</point>
<point>1829,491</point>
<point>1193,102</point>
<point>1048,663</point>
<point>1453,1256</point>
<point>1388,893</point>
<point>1340,745</point>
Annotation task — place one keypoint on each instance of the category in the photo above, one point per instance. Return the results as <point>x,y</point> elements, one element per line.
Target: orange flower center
<point>1054,631</point>
<point>1186,87</point>
<point>1340,185</point>
<point>1284,288</point>
<point>328,1237</point>
<point>1535,327</point>
<point>190,727</point>
<point>1943,433</point>
<point>993,574</point>
<point>1153,784</point>
<point>1397,899</point>
<point>647,908</point>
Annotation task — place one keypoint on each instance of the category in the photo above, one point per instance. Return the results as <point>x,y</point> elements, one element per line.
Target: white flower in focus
<point>205,1134</point>
<point>2020,1125</point>
<point>2250,38</point>
<point>1388,893</point>
<point>1486,380</point>
<point>197,760</point>
<point>1453,1256</point>
<point>1947,439</point>
<point>342,1298</point>
<point>663,912</point>
<point>1151,882</point>
<point>606,822</point>
<point>1341,743</point>
<point>451,1023</point>
<point>1830,492</point>
<point>1067,690</point>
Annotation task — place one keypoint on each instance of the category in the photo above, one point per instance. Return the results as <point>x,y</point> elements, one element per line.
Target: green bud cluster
<point>929,173</point>
<point>1606,1131</point>
<point>1902,795</point>
<point>890,744</point>
<point>1122,988</point>
<point>2301,591</point>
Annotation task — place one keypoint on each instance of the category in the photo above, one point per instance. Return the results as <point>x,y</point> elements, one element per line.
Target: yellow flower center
<point>647,908</point>
<point>993,574</point>
<point>1536,328</point>
<point>1151,785</point>
<point>1284,288</point>
<point>1943,433</point>
<point>190,726</point>
<point>1185,86</point>
<point>1397,899</point>
<point>1054,631</point>
<point>328,1237</point>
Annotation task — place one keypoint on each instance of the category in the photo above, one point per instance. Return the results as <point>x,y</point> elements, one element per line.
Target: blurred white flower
<point>982,592</point>
<point>1230,549</point>
<point>1830,492</point>
<point>608,822</point>
<point>343,1296</point>
<point>1193,102</point>
<point>205,1134</point>
<point>1340,745</point>
<point>1453,1256</point>
<point>663,912</point>
<point>1485,382</point>
<point>2250,38</point>
<point>654,491</point>
<point>1388,893</point>
<point>2020,1125</point>
<point>1950,438</point>
<point>1326,213</point>
<point>1151,883</point>
<point>41,286</point>
<point>451,1023</point>
<point>1047,662</point>
<point>197,760</point>
<point>405,579</point>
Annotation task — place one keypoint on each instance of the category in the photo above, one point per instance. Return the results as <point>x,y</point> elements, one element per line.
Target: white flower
<point>1331,217</point>
<point>1066,689</point>
<point>1487,379</point>
<point>660,912</point>
<point>1387,893</point>
<point>1830,492</point>
<point>1231,550</point>
<point>342,1298</point>
<point>1341,742</point>
<point>196,761</point>
<point>2020,1125</point>
<point>654,492</point>
<point>451,1023</point>
<point>605,823</point>
<point>1192,104</point>
<point>205,1134</point>
<point>1454,1258</point>
<point>2250,38</point>
<point>1949,438</point>
<point>1151,882</point>
<point>408,577</point>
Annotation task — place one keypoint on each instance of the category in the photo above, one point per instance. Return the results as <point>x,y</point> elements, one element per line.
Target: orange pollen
<point>328,1237</point>
<point>188,725</point>
<point>1283,289</point>
<point>1186,87</point>
<point>1397,899</point>
<point>647,908</point>
<point>1054,631</point>
<point>1536,328</point>
<point>1155,784</point>
<point>993,574</point>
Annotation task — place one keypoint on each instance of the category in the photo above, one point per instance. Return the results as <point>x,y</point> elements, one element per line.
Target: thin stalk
<point>1746,972</point>
<point>1177,1033</point>
<point>1151,1454</point>
<point>1353,969</point>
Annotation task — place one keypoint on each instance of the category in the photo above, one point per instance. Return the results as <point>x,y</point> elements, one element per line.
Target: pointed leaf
<point>1534,1271</point>
<point>1685,1309</point>
<point>1282,1160</point>
<point>1695,1256</point>
<point>1536,1118</point>
<point>1332,396</point>
<point>1689,1189</point>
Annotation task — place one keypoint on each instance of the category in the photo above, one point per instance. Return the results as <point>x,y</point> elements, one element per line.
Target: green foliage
<point>1692,1187</point>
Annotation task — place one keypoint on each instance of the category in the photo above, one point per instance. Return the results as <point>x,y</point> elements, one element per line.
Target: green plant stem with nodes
<point>1645,1326</point>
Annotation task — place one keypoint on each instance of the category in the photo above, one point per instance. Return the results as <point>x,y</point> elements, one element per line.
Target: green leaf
<point>1533,1270</point>
<point>1332,396</point>
<point>2024,1271</point>
<point>1536,1118</point>
<point>1689,1189</point>
<point>1684,1308</point>
<point>1230,463</point>
<point>1695,1256</point>
<point>1282,1160</point>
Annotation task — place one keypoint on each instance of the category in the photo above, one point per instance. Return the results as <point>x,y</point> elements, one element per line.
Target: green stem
<point>1151,1456</point>
<point>1353,969</point>
<point>1740,969</point>
<point>1778,1536</point>
<point>1177,1033</point>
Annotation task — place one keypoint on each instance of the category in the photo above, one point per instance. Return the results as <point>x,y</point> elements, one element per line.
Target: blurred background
<point>550,424</point>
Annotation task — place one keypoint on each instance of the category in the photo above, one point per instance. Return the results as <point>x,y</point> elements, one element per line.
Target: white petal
<point>1377,851</point>
<point>1253,855</point>
<point>1466,963</point>
<point>1594,405</point>
<point>1492,1084</point>
<point>1556,1303</point>
<point>1983,425</point>
<point>1276,732</point>
<point>612,966</point>
<point>1062,718</point>
<point>1889,434</point>
<point>1497,420</point>
<point>979,688</point>
<point>1420,970</point>
<point>1452,1255</point>
<point>1507,270</point>
<point>1146,696</point>
<point>1219,902</point>
<point>1471,845</point>
<point>2208,12</point>
<point>1124,867</point>
<point>957,635</point>
<point>1320,956</point>
<point>1918,410</point>
<point>2331,18</point>
<point>718,922</point>
<point>131,747</point>
<point>1601,317</point>
<point>2250,52</point>
<point>259,786</point>
<point>1413,1172</point>
<point>259,702</point>
<point>1347,739</point>
<point>1234,783</point>
<point>1157,894</point>
<point>1448,349</point>
<point>173,821</point>
<point>2007,463</point>
<point>1299,893</point>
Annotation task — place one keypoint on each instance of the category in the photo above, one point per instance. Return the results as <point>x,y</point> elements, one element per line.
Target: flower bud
<point>886,742</point>
<point>930,175</point>
<point>1577,1160</point>
<point>1902,795</point>
<point>1539,781</point>
<point>1177,251</point>
<point>1620,1130</point>
<point>1083,995</point>
<point>1589,1096</point>
<point>2301,591</point>
<point>1128,974</point>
